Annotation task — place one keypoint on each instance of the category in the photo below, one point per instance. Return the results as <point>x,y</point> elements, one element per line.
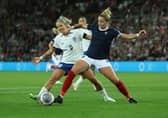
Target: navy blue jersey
<point>100,43</point>
<point>58,51</point>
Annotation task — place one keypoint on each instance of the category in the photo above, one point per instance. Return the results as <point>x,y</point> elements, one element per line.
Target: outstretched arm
<point>36,60</point>
<point>132,36</point>
<point>80,26</point>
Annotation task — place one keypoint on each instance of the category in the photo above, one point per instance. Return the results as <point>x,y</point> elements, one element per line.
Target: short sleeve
<point>116,33</point>
<point>55,44</point>
<point>80,32</point>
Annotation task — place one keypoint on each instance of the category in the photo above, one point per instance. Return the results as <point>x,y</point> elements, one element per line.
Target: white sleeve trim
<point>119,34</point>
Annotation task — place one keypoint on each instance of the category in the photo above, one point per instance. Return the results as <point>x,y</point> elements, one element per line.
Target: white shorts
<point>99,63</point>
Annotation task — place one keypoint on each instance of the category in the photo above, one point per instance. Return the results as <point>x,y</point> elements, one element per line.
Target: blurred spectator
<point>25,26</point>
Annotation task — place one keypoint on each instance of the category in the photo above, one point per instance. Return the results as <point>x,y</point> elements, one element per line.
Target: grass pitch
<point>151,90</point>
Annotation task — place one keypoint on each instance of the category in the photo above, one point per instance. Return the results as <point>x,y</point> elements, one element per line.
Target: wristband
<point>137,35</point>
<point>41,57</point>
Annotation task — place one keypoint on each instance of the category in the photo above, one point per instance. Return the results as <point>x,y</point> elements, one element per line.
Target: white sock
<point>49,66</point>
<point>79,81</point>
<point>104,93</point>
<point>43,89</point>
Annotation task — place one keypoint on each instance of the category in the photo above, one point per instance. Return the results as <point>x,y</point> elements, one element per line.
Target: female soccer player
<point>70,42</point>
<point>97,54</point>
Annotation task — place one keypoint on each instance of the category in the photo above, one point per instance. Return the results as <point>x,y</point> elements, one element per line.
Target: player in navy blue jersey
<point>98,53</point>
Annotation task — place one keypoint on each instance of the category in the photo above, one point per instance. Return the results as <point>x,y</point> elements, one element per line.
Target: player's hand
<point>142,33</point>
<point>36,60</point>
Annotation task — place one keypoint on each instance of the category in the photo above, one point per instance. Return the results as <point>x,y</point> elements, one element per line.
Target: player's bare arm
<point>133,36</point>
<point>36,60</point>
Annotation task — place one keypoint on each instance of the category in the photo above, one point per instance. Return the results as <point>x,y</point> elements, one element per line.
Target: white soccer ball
<point>46,98</point>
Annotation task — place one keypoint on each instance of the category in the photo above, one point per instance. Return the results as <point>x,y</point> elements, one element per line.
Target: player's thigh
<point>109,73</point>
<point>80,66</point>
<point>57,74</point>
<point>89,75</point>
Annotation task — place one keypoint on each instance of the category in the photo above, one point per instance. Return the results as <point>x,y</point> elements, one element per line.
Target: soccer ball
<point>46,98</point>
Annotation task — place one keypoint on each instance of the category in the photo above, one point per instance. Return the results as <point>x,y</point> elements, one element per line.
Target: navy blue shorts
<point>64,66</point>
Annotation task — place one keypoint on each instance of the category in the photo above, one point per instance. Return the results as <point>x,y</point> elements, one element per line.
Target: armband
<point>137,35</point>
<point>84,35</point>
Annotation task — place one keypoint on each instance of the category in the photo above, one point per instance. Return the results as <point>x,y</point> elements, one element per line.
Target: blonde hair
<point>67,22</point>
<point>106,14</point>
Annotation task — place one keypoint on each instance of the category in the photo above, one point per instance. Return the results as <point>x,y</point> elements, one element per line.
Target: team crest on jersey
<point>105,33</point>
<point>70,47</point>
<point>62,43</point>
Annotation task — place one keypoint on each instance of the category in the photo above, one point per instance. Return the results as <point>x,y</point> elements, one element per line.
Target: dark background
<point>25,26</point>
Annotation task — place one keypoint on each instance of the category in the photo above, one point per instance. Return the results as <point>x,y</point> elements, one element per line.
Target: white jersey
<point>71,45</point>
<point>85,43</point>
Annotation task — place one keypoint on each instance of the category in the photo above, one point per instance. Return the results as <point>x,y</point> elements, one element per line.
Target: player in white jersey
<point>70,42</point>
<point>85,44</point>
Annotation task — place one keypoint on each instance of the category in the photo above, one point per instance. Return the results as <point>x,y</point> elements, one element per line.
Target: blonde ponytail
<point>106,14</point>
<point>65,20</point>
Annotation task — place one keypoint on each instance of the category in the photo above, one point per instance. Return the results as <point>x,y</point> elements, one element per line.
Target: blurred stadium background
<point>26,26</point>
<point>26,29</point>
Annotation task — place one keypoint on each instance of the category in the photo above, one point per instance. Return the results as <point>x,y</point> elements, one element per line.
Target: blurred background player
<point>85,44</point>
<point>69,40</point>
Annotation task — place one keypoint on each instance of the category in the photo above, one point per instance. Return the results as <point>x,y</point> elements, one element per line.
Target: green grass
<point>151,89</point>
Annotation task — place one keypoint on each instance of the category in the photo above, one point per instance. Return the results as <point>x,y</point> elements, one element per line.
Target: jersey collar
<point>105,29</point>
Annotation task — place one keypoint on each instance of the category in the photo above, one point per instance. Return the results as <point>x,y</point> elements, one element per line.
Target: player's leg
<point>111,75</point>
<point>56,59</point>
<point>77,83</point>
<point>57,74</point>
<point>48,67</point>
<point>79,67</point>
<point>92,78</point>
<point>80,80</point>
<point>52,67</point>
<point>92,67</point>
